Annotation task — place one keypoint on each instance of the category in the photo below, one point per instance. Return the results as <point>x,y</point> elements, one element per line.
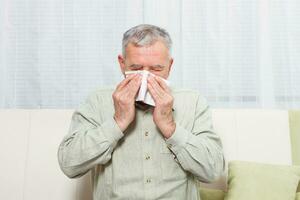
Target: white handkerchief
<point>143,93</point>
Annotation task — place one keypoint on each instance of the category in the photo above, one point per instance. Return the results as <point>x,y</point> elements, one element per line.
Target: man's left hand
<point>162,114</point>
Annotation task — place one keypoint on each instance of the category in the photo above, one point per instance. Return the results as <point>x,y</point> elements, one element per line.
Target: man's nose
<point>146,68</point>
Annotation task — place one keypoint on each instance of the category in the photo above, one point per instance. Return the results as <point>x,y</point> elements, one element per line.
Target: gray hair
<point>145,35</point>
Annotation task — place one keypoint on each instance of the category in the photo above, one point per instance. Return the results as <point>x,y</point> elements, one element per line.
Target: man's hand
<point>162,114</point>
<point>124,98</point>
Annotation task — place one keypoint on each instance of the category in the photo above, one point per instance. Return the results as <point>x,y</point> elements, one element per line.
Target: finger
<point>125,81</point>
<point>126,93</point>
<point>162,83</point>
<point>125,90</point>
<point>157,87</point>
<point>134,85</point>
<point>153,93</point>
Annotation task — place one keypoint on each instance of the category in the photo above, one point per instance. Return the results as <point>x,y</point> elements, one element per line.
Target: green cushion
<point>252,180</point>
<point>298,196</point>
<point>294,119</point>
<point>211,194</point>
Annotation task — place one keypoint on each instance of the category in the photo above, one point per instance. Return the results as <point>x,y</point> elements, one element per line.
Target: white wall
<point>236,53</point>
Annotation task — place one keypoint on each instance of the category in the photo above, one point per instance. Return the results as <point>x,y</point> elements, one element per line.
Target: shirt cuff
<point>112,131</point>
<point>178,139</point>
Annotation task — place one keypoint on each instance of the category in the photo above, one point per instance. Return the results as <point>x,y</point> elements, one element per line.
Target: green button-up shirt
<point>140,163</point>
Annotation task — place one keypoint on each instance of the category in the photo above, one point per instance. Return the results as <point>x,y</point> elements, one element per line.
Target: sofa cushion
<point>253,180</point>
<point>211,194</point>
<point>298,196</point>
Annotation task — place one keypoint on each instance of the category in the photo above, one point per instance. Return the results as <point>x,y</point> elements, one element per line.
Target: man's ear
<point>122,63</point>
<point>170,65</point>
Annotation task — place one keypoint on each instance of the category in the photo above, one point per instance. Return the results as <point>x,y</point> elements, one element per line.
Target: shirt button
<point>146,133</point>
<point>147,157</point>
<point>148,180</point>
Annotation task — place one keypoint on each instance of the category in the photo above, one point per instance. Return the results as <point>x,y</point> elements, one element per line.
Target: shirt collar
<point>144,106</point>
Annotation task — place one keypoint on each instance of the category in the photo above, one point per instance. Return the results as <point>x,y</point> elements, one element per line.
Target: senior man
<point>138,151</point>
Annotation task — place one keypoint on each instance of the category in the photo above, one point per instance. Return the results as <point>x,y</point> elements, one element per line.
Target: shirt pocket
<point>170,167</point>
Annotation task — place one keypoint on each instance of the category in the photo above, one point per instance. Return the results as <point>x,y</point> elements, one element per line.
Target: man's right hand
<point>124,99</point>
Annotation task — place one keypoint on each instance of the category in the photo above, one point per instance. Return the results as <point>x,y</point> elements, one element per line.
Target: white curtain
<point>237,53</point>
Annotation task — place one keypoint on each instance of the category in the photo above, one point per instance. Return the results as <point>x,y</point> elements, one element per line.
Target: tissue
<point>143,93</point>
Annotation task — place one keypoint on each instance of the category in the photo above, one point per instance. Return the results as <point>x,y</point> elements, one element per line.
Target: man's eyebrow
<point>135,66</point>
<point>139,66</point>
<point>158,66</point>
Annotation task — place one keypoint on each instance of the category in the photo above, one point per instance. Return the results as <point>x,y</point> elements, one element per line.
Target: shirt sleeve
<point>90,140</point>
<point>199,151</point>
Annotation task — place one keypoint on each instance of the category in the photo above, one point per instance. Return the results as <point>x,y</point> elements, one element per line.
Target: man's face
<point>154,58</point>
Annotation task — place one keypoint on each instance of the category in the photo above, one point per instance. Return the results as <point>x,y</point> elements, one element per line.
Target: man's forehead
<point>157,58</point>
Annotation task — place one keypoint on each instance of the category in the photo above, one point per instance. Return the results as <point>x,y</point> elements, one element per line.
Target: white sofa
<point>30,138</point>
